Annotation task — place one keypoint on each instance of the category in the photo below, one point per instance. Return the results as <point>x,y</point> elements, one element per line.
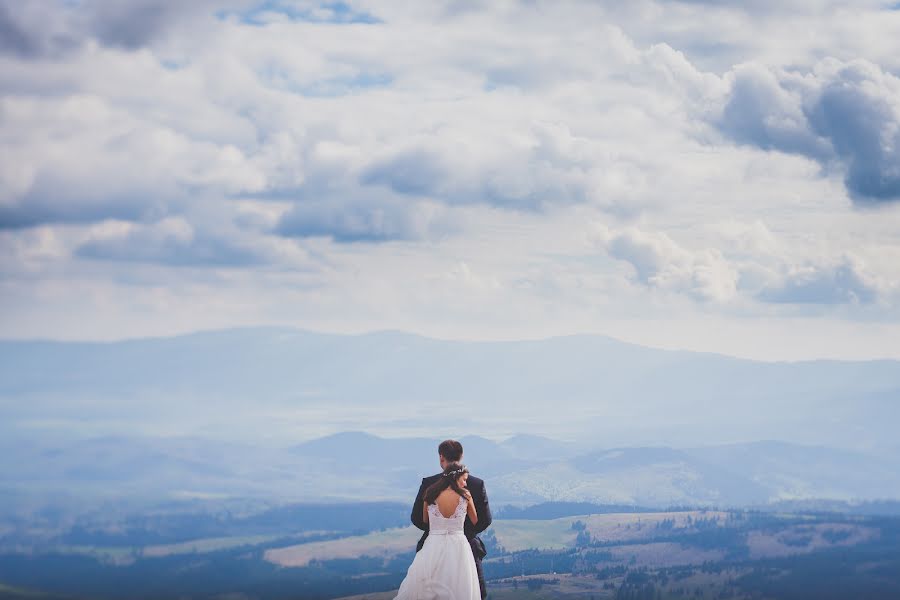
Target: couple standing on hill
<point>452,509</point>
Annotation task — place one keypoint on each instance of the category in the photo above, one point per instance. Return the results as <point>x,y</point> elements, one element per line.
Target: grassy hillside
<point>677,554</point>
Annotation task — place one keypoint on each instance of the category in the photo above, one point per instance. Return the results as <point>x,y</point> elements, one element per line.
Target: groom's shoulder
<point>431,479</point>
<point>476,481</point>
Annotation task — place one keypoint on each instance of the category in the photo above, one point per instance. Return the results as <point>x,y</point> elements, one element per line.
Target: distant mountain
<point>282,384</point>
<point>142,473</point>
<point>535,447</point>
<point>278,415</point>
<point>350,452</point>
<point>735,475</point>
<point>790,471</point>
<point>658,477</point>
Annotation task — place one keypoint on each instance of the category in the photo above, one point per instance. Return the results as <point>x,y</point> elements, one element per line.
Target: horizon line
<point>394,331</point>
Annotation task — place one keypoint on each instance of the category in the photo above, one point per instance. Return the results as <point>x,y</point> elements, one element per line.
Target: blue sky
<point>713,175</point>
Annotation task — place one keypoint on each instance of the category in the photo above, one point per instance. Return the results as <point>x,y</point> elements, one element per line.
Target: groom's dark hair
<point>451,450</point>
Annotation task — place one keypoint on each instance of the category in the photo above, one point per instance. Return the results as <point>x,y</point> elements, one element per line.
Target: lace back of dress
<point>455,522</point>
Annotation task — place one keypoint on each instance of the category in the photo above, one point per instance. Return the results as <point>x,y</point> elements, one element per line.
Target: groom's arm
<point>484,510</point>
<point>418,515</point>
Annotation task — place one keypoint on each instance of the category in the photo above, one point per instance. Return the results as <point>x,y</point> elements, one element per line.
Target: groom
<point>450,451</point>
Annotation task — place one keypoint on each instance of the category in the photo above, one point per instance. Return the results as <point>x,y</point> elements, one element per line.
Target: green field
<point>390,542</point>
<point>698,554</point>
<point>207,545</point>
<point>14,593</point>
<point>516,535</point>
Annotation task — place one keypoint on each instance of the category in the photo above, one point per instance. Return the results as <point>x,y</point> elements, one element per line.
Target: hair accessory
<point>456,472</point>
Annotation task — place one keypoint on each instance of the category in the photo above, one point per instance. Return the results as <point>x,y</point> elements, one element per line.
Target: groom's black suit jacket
<point>479,495</point>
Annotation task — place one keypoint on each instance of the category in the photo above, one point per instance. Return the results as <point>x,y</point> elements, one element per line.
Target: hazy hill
<point>252,413</point>
<point>281,383</point>
<point>134,474</point>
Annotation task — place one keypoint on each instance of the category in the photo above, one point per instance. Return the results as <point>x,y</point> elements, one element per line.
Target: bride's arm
<point>470,508</point>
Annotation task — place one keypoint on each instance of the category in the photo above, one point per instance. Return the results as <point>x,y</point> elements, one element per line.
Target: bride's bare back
<point>448,501</point>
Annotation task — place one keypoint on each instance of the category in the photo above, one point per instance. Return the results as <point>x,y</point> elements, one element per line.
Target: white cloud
<point>438,166</point>
<point>659,262</point>
<point>81,160</point>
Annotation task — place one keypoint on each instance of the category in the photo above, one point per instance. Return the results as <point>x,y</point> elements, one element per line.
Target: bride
<point>444,569</point>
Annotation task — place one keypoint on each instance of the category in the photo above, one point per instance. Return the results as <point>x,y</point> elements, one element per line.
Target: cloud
<point>858,110</point>
<point>30,30</point>
<point>745,262</point>
<point>172,242</point>
<point>846,282</point>
<point>361,221</point>
<point>761,112</point>
<point>83,160</point>
<point>660,263</point>
<point>13,37</point>
<point>844,115</point>
<point>50,28</point>
<point>136,23</point>
<point>410,189</point>
<point>414,172</point>
<point>392,141</point>
<point>531,170</point>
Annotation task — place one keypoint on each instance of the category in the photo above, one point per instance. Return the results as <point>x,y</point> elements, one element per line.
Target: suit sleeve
<point>484,511</point>
<point>416,516</point>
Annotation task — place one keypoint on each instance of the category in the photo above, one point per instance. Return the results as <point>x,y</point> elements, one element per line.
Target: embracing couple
<point>452,509</point>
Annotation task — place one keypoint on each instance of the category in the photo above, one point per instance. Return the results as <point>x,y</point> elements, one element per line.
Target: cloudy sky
<point>715,175</point>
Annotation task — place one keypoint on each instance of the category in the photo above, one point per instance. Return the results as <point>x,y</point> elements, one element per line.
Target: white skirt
<point>444,569</point>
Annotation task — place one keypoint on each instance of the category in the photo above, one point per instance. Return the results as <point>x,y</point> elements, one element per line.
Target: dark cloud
<point>66,197</point>
<point>138,23</point>
<point>413,172</point>
<point>845,117</point>
<point>48,28</point>
<point>550,172</point>
<point>134,24</point>
<point>35,29</point>
<point>761,112</point>
<point>377,220</point>
<point>30,214</point>
<point>173,248</point>
<point>33,210</point>
<point>864,129</point>
<point>14,39</point>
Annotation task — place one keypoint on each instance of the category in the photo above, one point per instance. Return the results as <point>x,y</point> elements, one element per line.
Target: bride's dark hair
<point>447,480</point>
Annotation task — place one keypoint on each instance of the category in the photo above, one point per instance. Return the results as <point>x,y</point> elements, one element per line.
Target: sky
<point>714,175</point>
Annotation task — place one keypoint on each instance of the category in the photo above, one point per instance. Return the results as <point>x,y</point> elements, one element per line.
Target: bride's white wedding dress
<point>444,569</point>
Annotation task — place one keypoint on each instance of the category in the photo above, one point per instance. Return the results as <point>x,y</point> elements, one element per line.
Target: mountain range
<point>140,474</point>
<point>278,415</point>
<point>283,385</point>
